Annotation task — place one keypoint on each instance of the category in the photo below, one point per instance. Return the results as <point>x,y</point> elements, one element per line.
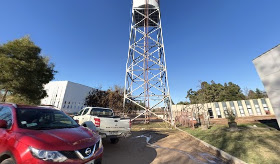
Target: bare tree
<point>201,110</point>
<point>111,98</point>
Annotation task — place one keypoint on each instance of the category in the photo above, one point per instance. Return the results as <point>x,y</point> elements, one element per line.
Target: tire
<point>114,140</point>
<point>8,161</point>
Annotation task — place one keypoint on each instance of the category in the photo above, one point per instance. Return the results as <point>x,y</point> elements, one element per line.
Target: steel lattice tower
<point>146,82</point>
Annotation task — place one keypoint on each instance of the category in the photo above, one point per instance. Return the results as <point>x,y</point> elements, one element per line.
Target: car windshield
<point>44,119</point>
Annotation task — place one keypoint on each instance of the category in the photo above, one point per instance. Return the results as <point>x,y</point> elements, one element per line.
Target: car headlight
<point>53,156</point>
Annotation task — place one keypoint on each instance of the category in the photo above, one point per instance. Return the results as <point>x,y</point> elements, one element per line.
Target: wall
<point>66,96</point>
<point>268,68</point>
<point>55,93</point>
<point>74,97</point>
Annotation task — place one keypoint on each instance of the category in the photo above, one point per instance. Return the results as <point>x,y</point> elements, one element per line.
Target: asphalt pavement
<point>158,147</point>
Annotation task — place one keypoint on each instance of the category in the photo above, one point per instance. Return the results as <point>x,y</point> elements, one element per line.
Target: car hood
<point>59,139</point>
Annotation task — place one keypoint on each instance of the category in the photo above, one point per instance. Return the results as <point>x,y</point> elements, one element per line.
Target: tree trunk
<point>4,96</point>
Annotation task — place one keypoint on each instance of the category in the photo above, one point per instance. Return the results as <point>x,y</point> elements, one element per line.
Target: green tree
<point>23,71</point>
<point>214,92</point>
<point>182,103</point>
<point>232,92</point>
<point>260,94</point>
<point>97,98</point>
<point>172,102</point>
<point>257,94</point>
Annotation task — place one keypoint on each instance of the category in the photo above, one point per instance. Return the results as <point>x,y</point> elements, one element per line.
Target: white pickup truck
<point>107,124</point>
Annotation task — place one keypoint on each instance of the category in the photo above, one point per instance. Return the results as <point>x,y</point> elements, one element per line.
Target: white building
<point>66,95</point>
<point>241,108</point>
<point>268,68</point>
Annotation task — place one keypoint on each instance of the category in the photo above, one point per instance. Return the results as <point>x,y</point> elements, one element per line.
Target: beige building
<point>241,108</point>
<point>268,68</point>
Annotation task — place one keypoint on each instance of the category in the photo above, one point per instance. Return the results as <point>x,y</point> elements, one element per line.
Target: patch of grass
<point>151,125</point>
<point>252,124</point>
<point>252,145</point>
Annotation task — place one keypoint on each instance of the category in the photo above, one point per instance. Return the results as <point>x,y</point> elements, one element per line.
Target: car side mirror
<point>77,121</point>
<point>3,124</point>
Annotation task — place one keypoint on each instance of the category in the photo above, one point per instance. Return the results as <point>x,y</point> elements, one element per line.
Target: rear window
<point>101,112</point>
<point>41,119</point>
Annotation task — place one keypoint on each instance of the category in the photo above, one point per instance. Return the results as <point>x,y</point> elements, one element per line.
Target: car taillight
<point>97,122</point>
<point>129,123</point>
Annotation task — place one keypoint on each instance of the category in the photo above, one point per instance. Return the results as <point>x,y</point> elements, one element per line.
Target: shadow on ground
<point>158,147</point>
<point>132,149</point>
<point>271,123</point>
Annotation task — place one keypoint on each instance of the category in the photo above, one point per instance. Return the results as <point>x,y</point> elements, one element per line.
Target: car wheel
<point>8,161</point>
<point>114,140</point>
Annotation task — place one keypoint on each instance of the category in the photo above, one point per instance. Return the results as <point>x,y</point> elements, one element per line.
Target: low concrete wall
<point>242,120</point>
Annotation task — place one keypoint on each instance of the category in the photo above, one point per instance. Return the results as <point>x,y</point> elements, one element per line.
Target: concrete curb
<point>220,152</point>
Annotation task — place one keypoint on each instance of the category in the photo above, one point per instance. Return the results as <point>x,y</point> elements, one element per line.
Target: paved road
<point>158,147</point>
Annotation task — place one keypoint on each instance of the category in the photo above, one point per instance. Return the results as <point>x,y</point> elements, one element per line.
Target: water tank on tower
<point>142,3</point>
<point>149,8</point>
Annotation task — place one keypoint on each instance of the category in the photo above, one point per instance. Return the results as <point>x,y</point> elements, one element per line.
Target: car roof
<point>33,107</point>
<point>7,103</point>
<point>27,106</point>
<point>99,107</point>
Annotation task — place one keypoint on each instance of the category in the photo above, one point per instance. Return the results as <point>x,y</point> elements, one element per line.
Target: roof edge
<point>266,51</point>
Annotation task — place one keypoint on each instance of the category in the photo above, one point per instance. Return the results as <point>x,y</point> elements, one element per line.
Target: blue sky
<point>204,39</point>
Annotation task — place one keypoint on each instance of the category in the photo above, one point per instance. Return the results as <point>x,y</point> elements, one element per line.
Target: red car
<point>43,135</point>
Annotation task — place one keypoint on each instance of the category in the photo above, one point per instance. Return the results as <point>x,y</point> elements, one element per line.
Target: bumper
<point>97,159</point>
<point>120,135</point>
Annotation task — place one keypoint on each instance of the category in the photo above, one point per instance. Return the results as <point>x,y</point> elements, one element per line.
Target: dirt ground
<point>158,147</point>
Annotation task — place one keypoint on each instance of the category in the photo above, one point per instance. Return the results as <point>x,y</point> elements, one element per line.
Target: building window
<point>264,104</point>
<point>248,105</point>
<point>225,108</point>
<point>241,108</point>
<point>210,112</point>
<point>232,107</point>
<point>218,110</point>
<point>258,110</point>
